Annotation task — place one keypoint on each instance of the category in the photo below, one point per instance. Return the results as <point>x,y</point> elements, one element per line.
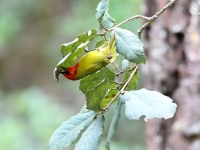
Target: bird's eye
<point>67,72</point>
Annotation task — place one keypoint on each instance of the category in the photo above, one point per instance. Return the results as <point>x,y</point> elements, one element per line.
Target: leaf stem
<point>136,67</point>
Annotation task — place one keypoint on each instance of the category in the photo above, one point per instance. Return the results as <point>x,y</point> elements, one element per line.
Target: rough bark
<point>173,67</point>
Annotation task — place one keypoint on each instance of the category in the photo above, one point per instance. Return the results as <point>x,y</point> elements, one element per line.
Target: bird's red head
<point>70,72</point>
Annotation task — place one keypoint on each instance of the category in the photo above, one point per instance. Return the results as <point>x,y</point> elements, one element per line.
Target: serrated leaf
<point>107,21</point>
<point>125,64</point>
<point>114,124</point>
<point>69,59</point>
<point>95,96</point>
<point>102,8</point>
<point>133,82</point>
<point>129,45</point>
<point>100,43</point>
<point>82,38</point>
<point>89,82</point>
<point>67,133</point>
<point>151,104</point>
<point>90,139</point>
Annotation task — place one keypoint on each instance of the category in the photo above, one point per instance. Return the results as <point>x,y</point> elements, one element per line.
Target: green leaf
<point>129,45</point>
<point>100,43</point>
<point>67,133</point>
<point>89,82</point>
<point>73,50</point>
<point>133,82</point>
<point>90,139</point>
<point>96,95</point>
<point>69,59</point>
<point>102,8</point>
<point>114,123</point>
<point>149,103</point>
<point>82,38</point>
<point>107,21</point>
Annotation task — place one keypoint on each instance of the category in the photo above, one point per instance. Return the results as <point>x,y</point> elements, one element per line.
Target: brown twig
<point>154,17</point>
<point>148,19</point>
<point>129,79</point>
<point>122,90</point>
<point>129,19</point>
<point>123,22</point>
<point>120,72</point>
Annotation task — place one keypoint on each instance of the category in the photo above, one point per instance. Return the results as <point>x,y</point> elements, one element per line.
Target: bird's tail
<point>110,50</point>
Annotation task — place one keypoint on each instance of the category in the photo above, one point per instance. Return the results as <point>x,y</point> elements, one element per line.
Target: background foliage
<point>32,104</point>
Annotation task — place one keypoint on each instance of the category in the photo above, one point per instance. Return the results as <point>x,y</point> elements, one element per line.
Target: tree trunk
<point>173,68</point>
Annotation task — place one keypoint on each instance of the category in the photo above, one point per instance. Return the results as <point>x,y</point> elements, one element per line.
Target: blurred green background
<point>32,103</point>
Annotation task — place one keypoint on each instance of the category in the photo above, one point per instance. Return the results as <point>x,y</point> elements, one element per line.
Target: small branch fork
<point>120,72</point>
<point>154,17</point>
<point>122,90</point>
<point>149,20</point>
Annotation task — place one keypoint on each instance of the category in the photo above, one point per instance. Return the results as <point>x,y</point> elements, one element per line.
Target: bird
<point>92,61</point>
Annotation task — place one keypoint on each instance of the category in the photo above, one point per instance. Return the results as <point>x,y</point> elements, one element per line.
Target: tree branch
<point>154,17</point>
<point>123,22</point>
<point>129,19</point>
<point>148,19</point>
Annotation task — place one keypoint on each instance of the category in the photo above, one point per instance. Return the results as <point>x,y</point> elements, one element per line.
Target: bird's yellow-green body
<point>92,61</point>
